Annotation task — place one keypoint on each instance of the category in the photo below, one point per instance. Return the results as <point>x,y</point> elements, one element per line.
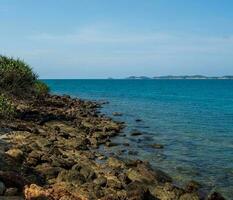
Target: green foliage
<point>16,77</point>
<point>7,110</point>
<point>41,88</point>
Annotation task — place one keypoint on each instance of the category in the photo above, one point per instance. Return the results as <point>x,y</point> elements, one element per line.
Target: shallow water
<point>193,119</point>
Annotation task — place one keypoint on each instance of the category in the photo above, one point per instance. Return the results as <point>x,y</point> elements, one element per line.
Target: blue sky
<point>119,38</point>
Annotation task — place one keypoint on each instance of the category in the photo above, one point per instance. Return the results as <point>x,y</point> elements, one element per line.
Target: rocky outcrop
<point>51,152</point>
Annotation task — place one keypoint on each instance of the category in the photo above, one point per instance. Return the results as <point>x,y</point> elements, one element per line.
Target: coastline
<point>51,147</point>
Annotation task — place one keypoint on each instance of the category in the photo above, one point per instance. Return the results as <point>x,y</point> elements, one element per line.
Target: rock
<point>11,192</point>
<point>71,176</point>
<point>12,179</point>
<point>2,188</point>
<point>215,196</point>
<point>17,154</point>
<point>137,191</point>
<point>134,153</point>
<point>114,182</point>
<point>144,174</point>
<point>115,163</point>
<point>156,146</point>
<point>192,186</point>
<point>101,181</point>
<point>117,114</point>
<point>87,173</point>
<point>167,192</point>
<point>189,196</point>
<point>111,144</point>
<point>126,144</point>
<point>48,171</point>
<point>136,133</point>
<point>36,192</point>
<point>43,142</point>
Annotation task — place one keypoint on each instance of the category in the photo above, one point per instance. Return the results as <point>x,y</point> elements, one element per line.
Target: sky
<point>119,38</point>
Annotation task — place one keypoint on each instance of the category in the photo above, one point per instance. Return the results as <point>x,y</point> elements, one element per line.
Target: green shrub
<point>41,88</point>
<point>16,77</point>
<point>7,110</point>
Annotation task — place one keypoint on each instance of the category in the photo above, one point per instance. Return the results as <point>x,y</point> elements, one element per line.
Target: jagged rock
<point>143,173</point>
<point>115,163</point>
<point>167,192</point>
<point>35,192</point>
<point>114,182</point>
<point>71,176</point>
<point>101,181</point>
<point>48,171</point>
<point>190,196</point>
<point>16,154</point>
<point>137,191</point>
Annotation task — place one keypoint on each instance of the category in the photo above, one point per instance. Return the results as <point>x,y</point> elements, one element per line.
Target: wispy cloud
<point>104,50</point>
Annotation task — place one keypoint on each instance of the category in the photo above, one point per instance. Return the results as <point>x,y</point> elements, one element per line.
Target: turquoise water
<point>193,119</point>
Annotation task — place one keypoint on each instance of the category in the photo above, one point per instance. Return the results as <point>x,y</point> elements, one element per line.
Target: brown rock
<point>17,154</point>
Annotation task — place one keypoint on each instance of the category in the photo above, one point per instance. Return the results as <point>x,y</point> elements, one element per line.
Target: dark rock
<point>136,133</point>
<point>11,192</point>
<point>111,144</point>
<point>2,188</point>
<point>215,196</point>
<point>71,176</point>
<point>101,181</point>
<point>192,186</point>
<point>12,179</point>
<point>126,144</point>
<point>137,191</point>
<point>134,153</point>
<point>48,171</point>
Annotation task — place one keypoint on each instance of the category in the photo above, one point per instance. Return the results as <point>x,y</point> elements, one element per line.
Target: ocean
<point>192,119</point>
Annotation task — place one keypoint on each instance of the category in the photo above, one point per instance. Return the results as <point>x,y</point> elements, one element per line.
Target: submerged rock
<point>136,133</point>
<point>117,114</point>
<point>156,146</point>
<point>215,196</point>
<point>2,188</point>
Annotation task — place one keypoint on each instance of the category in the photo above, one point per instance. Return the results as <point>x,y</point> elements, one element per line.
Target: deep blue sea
<point>193,119</point>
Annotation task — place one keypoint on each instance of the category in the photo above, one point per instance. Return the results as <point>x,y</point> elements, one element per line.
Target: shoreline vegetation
<point>49,148</point>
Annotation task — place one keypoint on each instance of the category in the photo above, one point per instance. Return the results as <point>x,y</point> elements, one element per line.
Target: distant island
<point>180,77</point>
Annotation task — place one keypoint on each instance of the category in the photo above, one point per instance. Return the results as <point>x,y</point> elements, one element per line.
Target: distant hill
<point>180,77</point>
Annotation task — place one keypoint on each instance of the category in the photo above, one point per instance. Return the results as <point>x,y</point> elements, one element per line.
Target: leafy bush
<point>7,110</point>
<point>41,88</point>
<point>16,77</point>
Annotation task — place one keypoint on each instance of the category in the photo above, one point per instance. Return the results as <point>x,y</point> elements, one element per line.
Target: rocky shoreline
<point>50,151</point>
